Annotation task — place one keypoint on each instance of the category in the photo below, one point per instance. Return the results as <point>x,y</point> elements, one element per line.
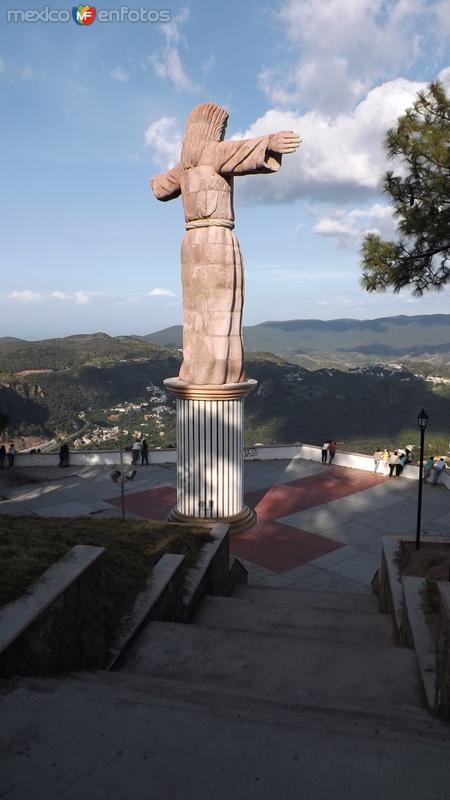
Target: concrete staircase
<point>271,693</point>
<point>296,649</point>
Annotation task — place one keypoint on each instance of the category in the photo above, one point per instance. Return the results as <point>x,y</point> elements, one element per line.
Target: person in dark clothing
<point>399,465</point>
<point>331,451</point>
<point>144,453</point>
<point>11,454</point>
<point>2,455</point>
<point>64,456</point>
<point>325,447</point>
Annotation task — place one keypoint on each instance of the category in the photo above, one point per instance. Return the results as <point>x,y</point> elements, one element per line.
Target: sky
<point>91,112</point>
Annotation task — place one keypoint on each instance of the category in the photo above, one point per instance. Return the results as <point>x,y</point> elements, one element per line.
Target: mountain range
<point>345,341</point>
<point>75,385</point>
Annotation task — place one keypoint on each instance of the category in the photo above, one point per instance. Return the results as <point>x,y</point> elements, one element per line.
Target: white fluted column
<point>210,422</point>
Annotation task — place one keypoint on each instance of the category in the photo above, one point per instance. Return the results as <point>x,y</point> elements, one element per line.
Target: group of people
<point>434,468</point>
<point>393,462</point>
<point>11,454</point>
<point>328,451</point>
<point>139,450</point>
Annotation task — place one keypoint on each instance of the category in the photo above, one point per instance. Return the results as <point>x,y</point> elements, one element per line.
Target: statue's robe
<point>212,273</point>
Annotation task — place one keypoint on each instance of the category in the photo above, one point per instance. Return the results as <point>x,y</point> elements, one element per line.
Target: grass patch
<point>29,545</point>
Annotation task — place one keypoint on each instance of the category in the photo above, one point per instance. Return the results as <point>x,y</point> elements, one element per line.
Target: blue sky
<point>91,113</point>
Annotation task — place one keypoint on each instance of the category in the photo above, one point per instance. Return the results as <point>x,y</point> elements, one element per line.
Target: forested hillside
<point>60,388</point>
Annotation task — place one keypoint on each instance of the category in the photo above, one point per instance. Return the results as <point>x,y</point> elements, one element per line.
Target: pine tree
<point>421,200</point>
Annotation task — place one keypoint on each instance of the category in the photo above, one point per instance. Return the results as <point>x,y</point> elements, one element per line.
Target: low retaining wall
<point>443,651</point>
<point>92,458</point>
<point>56,624</point>
<point>402,596</point>
<point>111,458</point>
<point>390,589</point>
<point>162,599</point>
<point>211,574</point>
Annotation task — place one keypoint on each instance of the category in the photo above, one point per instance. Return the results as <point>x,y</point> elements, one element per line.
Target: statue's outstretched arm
<point>166,186</point>
<point>253,156</point>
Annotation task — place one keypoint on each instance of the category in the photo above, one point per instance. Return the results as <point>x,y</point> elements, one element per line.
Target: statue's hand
<point>284,142</point>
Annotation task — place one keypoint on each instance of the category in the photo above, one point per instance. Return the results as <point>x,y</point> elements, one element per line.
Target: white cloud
<point>161,293</point>
<point>164,138</point>
<point>348,227</point>
<point>81,298</point>
<point>25,296</point>
<point>168,66</point>
<point>119,75</point>
<point>341,157</point>
<point>337,49</point>
<point>444,74</point>
<point>167,61</point>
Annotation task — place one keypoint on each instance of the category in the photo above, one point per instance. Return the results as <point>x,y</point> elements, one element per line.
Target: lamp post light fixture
<point>422,421</point>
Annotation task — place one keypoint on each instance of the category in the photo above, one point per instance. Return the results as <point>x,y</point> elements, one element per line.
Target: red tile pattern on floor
<point>316,490</point>
<point>151,504</point>
<point>280,547</point>
<point>271,544</point>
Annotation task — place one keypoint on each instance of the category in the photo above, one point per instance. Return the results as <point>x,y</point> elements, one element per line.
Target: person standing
<point>135,451</point>
<point>11,454</point>
<point>437,471</point>
<point>377,456</point>
<point>392,462</point>
<point>428,467</point>
<point>325,448</point>
<point>144,453</point>
<point>385,461</point>
<point>2,455</point>
<point>399,465</point>
<point>331,451</point>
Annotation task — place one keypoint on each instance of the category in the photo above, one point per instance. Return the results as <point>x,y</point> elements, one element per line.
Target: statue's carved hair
<point>206,123</point>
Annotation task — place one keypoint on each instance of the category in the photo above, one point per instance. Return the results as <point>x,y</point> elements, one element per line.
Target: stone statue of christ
<point>211,261</point>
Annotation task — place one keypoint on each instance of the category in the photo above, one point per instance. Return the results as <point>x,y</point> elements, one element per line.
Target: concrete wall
<point>111,458</point>
<point>443,651</point>
<point>92,458</point>
<point>57,624</point>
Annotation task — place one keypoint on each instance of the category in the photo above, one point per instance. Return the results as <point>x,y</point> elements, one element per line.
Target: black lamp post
<point>422,420</point>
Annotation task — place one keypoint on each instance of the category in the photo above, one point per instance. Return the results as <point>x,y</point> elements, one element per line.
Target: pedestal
<point>210,460</point>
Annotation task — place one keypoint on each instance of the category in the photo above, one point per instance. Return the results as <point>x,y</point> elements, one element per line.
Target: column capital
<point>226,391</point>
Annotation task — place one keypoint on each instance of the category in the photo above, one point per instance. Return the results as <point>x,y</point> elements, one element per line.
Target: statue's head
<point>206,123</point>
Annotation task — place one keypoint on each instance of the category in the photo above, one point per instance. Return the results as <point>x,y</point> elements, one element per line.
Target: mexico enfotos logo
<point>84,15</point>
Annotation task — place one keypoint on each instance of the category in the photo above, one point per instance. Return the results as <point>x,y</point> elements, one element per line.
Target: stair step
<point>282,669</point>
<point>297,598</point>
<point>114,735</point>
<point>329,624</point>
<point>222,700</point>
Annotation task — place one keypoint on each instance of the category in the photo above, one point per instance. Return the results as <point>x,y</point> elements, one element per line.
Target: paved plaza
<point>319,526</point>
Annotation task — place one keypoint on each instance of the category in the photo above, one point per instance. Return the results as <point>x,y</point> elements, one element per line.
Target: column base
<point>237,523</point>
